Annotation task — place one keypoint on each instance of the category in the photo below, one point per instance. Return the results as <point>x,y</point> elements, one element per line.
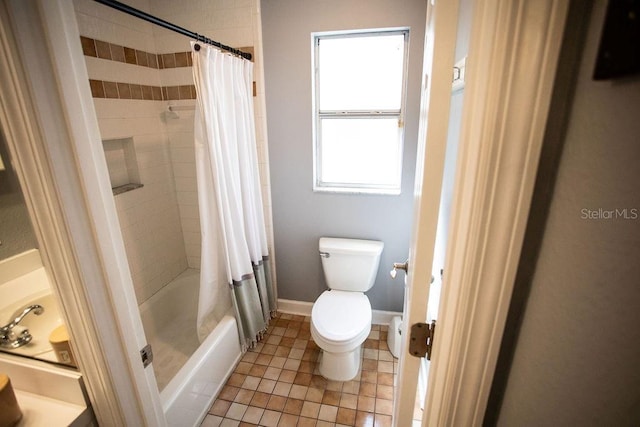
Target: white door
<point>504,120</point>
<point>440,38</point>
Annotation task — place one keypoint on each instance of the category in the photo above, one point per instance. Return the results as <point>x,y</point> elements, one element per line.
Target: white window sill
<point>358,191</point>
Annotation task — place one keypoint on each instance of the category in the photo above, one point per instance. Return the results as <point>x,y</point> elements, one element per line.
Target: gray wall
<point>578,348</point>
<point>301,216</point>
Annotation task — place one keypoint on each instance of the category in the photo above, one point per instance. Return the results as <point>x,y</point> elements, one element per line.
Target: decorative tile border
<point>113,52</point>
<point>119,90</point>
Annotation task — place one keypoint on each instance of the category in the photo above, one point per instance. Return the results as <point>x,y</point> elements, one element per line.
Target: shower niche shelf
<point>122,165</point>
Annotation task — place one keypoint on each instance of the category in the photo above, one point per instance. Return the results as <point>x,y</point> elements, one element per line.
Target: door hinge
<point>146,354</point>
<point>421,339</point>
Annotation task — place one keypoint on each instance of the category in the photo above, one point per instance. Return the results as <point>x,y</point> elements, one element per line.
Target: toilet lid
<point>341,316</point>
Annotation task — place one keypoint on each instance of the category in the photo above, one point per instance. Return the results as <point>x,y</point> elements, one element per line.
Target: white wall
<point>149,216</point>
<point>577,354</point>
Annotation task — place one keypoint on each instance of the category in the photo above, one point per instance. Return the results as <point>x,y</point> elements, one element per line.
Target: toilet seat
<point>340,320</point>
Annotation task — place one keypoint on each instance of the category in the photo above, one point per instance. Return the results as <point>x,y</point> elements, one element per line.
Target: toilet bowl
<point>341,316</point>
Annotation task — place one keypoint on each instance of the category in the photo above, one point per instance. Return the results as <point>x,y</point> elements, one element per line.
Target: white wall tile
<point>184,170</point>
<point>186,184</point>
<point>188,198</point>
<point>194,262</point>
<point>176,77</point>
<point>184,124</point>
<point>104,23</point>
<point>192,225</point>
<point>114,71</point>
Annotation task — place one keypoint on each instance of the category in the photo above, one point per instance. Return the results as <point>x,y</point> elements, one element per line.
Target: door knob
<point>399,266</point>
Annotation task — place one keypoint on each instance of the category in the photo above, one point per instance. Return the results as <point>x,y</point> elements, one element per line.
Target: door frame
<point>54,137</point>
<point>511,66</point>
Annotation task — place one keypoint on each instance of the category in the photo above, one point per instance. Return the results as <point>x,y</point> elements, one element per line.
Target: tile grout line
<point>278,383</point>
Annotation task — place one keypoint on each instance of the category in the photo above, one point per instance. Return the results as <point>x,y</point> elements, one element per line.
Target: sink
<point>39,326</point>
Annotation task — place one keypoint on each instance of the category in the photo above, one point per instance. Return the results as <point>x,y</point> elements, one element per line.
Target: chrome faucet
<point>8,337</point>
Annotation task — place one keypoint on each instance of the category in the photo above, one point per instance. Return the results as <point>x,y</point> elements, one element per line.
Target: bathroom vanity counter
<point>48,395</point>
<point>41,411</point>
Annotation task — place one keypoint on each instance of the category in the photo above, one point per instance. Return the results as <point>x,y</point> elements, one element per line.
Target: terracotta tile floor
<point>278,383</point>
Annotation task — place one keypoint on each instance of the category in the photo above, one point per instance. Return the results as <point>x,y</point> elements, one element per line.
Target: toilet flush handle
<point>399,266</point>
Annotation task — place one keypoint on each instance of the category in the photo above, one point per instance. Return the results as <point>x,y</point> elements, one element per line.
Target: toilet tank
<point>350,264</point>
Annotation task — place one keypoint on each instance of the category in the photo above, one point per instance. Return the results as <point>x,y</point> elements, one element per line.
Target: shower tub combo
<point>189,373</point>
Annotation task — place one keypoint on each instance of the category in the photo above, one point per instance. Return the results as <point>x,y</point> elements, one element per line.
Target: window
<point>359,85</point>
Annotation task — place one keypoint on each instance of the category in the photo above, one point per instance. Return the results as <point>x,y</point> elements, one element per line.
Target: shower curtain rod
<point>168,25</point>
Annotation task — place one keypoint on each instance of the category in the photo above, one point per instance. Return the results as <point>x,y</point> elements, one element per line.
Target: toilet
<point>341,316</point>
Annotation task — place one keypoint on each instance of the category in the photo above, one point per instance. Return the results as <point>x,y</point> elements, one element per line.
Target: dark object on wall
<point>619,52</point>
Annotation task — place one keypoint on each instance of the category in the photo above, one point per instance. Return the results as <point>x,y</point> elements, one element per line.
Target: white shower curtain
<point>231,213</point>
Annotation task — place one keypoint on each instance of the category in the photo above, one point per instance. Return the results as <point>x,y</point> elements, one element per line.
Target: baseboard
<point>303,308</point>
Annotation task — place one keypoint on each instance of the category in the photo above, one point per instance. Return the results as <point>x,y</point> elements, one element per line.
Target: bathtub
<point>189,374</point>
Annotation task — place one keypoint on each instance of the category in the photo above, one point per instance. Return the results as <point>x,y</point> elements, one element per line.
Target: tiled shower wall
<point>149,216</point>
<point>160,221</point>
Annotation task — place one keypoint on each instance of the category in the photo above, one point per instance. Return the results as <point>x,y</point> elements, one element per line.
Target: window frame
<point>318,115</point>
